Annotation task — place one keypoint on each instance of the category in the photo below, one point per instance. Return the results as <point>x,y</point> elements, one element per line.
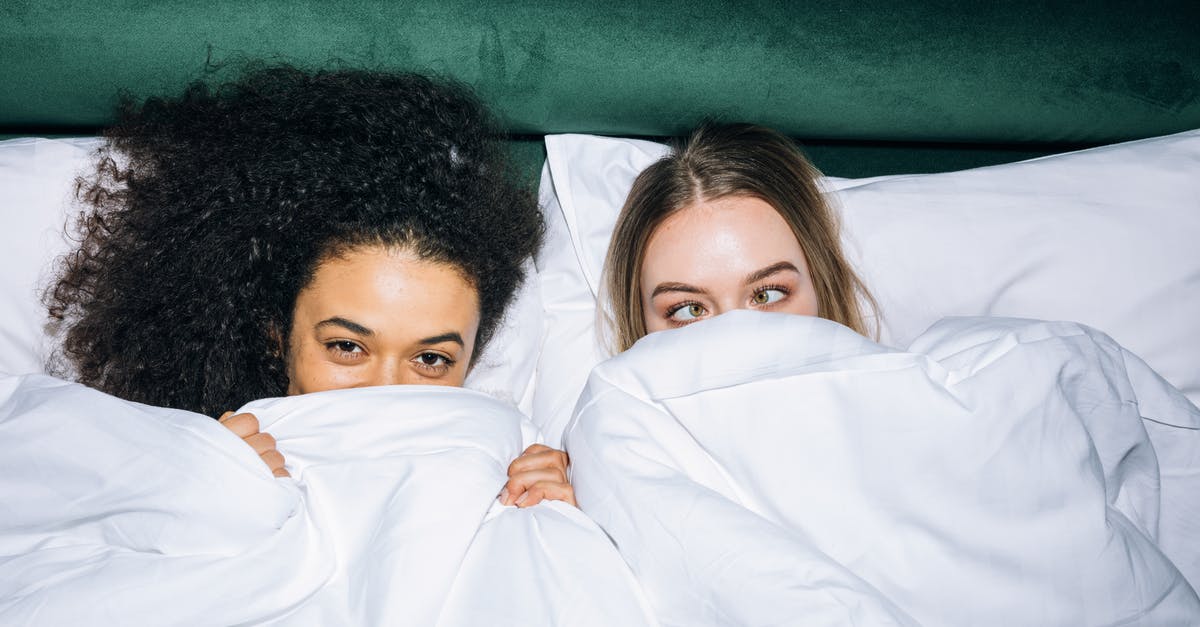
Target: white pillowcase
<point>37,178</point>
<point>1109,237</point>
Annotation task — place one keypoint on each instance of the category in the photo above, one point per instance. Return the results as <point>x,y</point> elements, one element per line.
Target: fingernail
<point>504,496</point>
<point>521,499</point>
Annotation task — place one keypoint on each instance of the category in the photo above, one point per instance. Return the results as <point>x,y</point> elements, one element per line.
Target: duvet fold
<point>767,469</point>
<point>116,513</point>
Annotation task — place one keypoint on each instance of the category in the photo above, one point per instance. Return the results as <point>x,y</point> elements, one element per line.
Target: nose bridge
<point>730,301</point>
<point>389,370</point>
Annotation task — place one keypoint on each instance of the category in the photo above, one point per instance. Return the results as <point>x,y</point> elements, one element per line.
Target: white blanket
<point>765,469</point>
<point>115,513</point>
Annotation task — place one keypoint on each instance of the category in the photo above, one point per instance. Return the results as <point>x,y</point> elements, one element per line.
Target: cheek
<point>454,379</point>
<point>308,372</point>
<point>299,371</point>
<point>804,304</point>
<point>649,317</point>
<point>293,370</point>
<point>654,319</point>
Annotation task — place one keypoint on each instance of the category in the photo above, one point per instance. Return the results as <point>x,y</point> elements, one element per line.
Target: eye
<point>436,362</point>
<point>686,312</point>
<point>769,295</point>
<point>344,349</point>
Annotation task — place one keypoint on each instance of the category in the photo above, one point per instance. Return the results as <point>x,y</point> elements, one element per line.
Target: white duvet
<point>765,469</point>
<point>114,513</point>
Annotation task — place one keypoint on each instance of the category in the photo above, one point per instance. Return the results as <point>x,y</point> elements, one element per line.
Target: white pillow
<point>505,369</point>
<point>37,179</point>
<point>1109,237</point>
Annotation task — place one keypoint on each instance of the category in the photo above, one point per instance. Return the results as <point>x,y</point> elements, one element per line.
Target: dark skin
<point>245,426</point>
<point>380,316</point>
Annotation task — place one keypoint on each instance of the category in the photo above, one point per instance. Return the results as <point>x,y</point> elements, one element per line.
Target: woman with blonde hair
<point>733,218</point>
<point>759,468</point>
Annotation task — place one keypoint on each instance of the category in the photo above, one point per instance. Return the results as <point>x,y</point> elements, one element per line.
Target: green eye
<point>768,296</point>
<point>687,312</point>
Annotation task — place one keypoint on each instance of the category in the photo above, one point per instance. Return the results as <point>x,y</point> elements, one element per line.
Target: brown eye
<point>434,361</point>
<point>343,346</point>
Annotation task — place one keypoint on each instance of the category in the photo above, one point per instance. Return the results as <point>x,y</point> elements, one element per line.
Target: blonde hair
<point>716,161</point>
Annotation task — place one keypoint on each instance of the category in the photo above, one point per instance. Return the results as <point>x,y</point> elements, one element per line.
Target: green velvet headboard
<point>871,87</point>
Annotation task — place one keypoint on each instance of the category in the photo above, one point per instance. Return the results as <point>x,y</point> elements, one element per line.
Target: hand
<point>538,473</point>
<point>245,426</point>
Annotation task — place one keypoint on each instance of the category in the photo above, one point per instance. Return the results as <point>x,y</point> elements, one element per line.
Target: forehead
<point>719,240</point>
<point>390,291</point>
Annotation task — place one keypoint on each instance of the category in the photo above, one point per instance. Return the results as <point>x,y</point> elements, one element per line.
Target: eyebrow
<point>452,336</point>
<point>753,277</point>
<point>354,327</point>
<point>772,269</point>
<point>349,325</point>
<point>669,286</point>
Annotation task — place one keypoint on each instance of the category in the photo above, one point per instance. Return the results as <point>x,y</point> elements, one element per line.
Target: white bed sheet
<point>771,469</point>
<point>116,513</point>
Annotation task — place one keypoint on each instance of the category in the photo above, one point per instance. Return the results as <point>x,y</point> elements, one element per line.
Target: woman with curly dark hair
<point>291,232</point>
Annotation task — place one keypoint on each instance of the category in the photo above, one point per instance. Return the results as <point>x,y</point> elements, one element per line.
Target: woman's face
<point>715,256</point>
<point>381,316</point>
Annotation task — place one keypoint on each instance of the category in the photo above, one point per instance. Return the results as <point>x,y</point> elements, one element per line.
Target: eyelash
<point>337,346</point>
<point>673,309</point>
<point>765,288</point>
<point>677,306</point>
<point>445,366</point>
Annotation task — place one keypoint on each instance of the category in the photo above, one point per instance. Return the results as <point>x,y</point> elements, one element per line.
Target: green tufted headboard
<point>871,87</point>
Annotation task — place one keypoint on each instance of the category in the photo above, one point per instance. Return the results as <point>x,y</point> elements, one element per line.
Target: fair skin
<point>381,316</point>
<point>715,256</point>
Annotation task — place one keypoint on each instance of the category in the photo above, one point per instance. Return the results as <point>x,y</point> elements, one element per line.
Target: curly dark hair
<point>209,212</point>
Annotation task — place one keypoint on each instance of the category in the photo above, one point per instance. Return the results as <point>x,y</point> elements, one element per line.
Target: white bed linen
<point>1105,236</point>
<point>115,513</point>
<point>764,469</point>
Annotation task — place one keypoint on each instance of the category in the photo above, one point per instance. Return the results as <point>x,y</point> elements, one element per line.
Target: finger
<point>281,472</point>
<point>543,490</point>
<point>536,448</point>
<point>549,458</point>
<point>261,442</point>
<point>224,416</point>
<point>517,484</point>
<point>242,425</point>
<point>541,448</point>
<point>521,481</point>
<point>273,459</point>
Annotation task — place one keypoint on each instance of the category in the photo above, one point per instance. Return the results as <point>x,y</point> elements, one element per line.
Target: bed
<point>1035,161</point>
